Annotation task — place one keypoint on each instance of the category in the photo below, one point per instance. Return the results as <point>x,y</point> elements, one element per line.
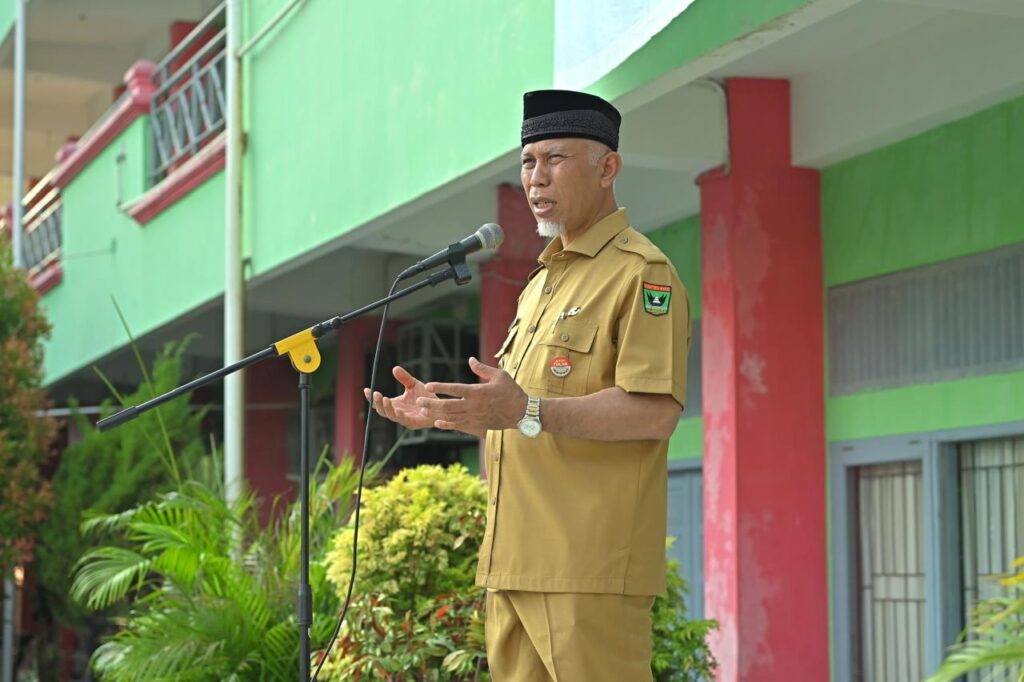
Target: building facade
<point>836,181</point>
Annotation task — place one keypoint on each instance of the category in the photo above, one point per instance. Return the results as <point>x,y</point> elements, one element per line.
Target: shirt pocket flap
<point>572,335</point>
<point>512,329</point>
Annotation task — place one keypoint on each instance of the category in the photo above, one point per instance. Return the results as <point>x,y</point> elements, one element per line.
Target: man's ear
<point>611,164</point>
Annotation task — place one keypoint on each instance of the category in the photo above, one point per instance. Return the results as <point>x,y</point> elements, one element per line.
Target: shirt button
<point>515,365</point>
<point>624,240</point>
<point>547,290</point>
<point>565,337</point>
<point>494,500</point>
<point>532,328</point>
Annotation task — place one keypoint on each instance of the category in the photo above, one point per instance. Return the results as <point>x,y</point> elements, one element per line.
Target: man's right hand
<point>403,409</point>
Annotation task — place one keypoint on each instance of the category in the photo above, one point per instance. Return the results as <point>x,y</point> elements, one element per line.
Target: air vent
<point>959,318</point>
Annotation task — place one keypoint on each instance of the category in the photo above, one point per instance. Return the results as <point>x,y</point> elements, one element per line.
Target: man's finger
<point>445,425</point>
<point>403,377</point>
<point>457,390</point>
<point>435,407</point>
<point>378,404</point>
<point>481,370</point>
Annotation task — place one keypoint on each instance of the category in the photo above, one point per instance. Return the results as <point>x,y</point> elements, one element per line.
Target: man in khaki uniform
<point>577,415</point>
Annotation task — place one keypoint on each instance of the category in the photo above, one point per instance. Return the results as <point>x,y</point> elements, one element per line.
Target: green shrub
<point>419,537</point>
<point>24,437</point>
<point>680,652</point>
<point>417,612</point>
<point>111,471</point>
<point>207,594</point>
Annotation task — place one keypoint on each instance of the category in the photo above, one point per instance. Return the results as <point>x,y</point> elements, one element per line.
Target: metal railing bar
<point>217,43</point>
<point>193,36</point>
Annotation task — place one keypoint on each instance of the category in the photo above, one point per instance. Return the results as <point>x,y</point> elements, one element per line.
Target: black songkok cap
<point>564,113</point>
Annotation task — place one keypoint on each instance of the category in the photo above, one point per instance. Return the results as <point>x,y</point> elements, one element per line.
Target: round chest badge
<point>561,366</point>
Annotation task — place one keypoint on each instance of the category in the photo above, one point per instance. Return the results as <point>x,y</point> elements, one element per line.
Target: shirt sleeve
<point>654,334</point>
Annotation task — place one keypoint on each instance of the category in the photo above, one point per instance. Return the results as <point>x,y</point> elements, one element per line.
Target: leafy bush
<point>418,541</point>
<point>419,537</point>
<point>994,639</point>
<point>680,652</point>
<point>111,471</point>
<point>24,437</point>
<point>210,595</point>
<point>418,611</point>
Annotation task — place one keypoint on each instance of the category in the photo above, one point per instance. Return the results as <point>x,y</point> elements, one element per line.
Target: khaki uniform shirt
<point>570,514</point>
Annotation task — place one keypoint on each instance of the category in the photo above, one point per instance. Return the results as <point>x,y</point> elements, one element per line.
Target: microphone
<point>487,237</point>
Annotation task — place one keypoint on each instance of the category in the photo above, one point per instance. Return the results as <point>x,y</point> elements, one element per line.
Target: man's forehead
<point>554,144</point>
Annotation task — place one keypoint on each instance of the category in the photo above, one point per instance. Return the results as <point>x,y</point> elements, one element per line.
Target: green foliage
<point>24,437</point>
<point>994,639</point>
<point>111,471</point>
<point>418,612</point>
<point>417,608</point>
<point>210,595</point>
<point>419,537</point>
<point>681,652</point>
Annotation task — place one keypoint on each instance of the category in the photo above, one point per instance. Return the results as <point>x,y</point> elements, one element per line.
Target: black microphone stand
<point>305,358</point>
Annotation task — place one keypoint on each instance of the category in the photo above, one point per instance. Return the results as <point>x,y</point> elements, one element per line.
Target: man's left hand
<point>496,402</point>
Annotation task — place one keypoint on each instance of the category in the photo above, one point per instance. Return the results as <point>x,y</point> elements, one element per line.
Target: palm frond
<point>106,574</point>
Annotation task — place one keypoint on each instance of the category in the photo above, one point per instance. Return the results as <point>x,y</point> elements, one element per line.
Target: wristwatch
<point>529,425</point>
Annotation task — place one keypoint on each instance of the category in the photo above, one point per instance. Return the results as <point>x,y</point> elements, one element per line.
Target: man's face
<point>562,181</point>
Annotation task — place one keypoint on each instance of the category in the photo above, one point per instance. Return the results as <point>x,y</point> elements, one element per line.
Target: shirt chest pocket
<point>563,358</point>
<point>506,345</point>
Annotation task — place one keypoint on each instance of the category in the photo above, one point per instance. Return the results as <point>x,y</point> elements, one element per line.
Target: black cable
<point>359,490</point>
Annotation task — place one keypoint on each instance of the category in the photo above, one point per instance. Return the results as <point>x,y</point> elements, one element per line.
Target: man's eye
<point>556,158</point>
<point>528,163</point>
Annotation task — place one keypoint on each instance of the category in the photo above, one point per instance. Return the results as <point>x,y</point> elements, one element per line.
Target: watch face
<point>529,428</point>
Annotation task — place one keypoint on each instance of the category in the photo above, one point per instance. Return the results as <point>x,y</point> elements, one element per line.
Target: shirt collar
<point>593,240</point>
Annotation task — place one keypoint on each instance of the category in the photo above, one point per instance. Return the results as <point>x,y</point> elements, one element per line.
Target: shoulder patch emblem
<point>656,298</point>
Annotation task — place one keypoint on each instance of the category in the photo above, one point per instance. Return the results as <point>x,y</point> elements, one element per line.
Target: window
<point>991,519</point>
<point>891,574</point>
<point>922,527</point>
<point>686,525</point>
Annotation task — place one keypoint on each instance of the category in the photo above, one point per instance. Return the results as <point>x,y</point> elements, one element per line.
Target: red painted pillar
<point>764,467</point>
<point>503,277</point>
<point>272,394</point>
<point>355,340</point>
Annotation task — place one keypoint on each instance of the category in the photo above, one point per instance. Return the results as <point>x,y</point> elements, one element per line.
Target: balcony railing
<point>188,107</point>
<point>41,226</point>
<point>42,223</point>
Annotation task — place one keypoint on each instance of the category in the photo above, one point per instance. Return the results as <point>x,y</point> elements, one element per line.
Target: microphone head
<point>491,235</point>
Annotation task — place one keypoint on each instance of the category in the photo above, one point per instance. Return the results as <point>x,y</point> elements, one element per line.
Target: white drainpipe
<point>234,286</point>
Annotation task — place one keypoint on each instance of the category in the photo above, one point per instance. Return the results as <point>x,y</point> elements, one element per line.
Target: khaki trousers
<point>568,637</point>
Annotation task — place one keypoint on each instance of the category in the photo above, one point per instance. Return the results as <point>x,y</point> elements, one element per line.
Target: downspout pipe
<point>234,285</point>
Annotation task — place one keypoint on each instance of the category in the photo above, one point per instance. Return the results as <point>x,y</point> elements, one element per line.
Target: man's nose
<point>539,176</point>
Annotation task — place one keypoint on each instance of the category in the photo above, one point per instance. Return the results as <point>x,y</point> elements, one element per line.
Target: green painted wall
<point>7,11</point>
<point>687,440</point>
<point>948,192</point>
<point>703,27</point>
<point>992,399</point>
<point>951,191</point>
<point>156,272</point>
<point>681,243</point>
<point>356,108</point>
